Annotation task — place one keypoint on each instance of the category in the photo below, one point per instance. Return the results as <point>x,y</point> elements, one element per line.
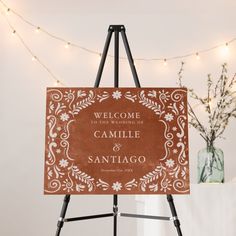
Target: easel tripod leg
<point>60,222</point>
<point>174,214</point>
<point>115,211</point>
<point>103,59</point>
<point>130,58</point>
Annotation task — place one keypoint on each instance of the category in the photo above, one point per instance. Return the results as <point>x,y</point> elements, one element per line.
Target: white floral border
<point>164,178</point>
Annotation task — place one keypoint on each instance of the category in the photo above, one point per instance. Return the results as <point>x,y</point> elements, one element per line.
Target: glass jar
<point>210,165</point>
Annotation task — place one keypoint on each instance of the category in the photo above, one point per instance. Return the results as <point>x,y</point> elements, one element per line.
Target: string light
<point>197,56</point>
<point>57,83</point>
<point>67,45</point>
<point>37,30</point>
<point>165,62</point>
<point>136,64</point>
<point>225,50</point>
<point>179,57</point>
<point>8,11</point>
<point>34,58</point>
<point>227,47</point>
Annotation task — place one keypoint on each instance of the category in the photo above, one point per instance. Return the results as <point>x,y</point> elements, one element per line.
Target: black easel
<point>117,29</point>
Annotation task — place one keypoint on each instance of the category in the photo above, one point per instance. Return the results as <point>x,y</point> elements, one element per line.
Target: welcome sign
<point>116,141</point>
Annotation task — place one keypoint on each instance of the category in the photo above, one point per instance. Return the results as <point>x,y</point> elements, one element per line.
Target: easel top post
<point>117,28</point>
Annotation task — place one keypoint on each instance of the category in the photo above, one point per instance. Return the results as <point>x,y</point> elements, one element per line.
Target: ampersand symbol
<point>116,147</point>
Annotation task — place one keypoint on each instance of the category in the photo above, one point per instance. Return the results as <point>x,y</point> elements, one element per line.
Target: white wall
<point>154,29</point>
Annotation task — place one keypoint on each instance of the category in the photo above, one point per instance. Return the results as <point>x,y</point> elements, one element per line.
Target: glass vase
<point>210,165</point>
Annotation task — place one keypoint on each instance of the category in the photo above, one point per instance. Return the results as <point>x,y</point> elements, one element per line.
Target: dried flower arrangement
<point>219,104</point>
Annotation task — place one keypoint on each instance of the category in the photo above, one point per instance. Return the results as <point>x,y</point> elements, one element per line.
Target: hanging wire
<point>163,59</point>
<point>34,57</point>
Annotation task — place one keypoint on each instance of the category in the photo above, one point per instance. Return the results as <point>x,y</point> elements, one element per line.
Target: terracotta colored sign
<point>116,141</point>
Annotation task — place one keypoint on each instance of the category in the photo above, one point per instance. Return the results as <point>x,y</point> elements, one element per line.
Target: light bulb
<point>67,45</point>
<point>165,62</point>
<point>197,56</point>
<point>8,11</point>
<point>225,50</point>
<point>34,58</point>
<point>99,57</point>
<point>56,84</point>
<point>14,32</point>
<point>226,47</point>
<point>37,30</point>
